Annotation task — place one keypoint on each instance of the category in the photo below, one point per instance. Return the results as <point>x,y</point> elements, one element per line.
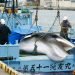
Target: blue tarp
<point>13,37</point>
<point>21,31</point>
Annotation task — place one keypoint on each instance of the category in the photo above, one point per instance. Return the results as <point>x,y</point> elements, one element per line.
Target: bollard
<point>0,65</point>
<point>5,68</point>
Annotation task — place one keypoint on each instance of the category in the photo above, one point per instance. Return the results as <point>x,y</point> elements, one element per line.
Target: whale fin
<point>66,44</point>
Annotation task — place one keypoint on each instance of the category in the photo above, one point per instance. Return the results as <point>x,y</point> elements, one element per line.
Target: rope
<point>36,18</point>
<point>57,17</point>
<point>35,48</point>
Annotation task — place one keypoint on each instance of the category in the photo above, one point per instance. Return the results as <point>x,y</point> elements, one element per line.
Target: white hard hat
<point>2,21</point>
<point>65,18</point>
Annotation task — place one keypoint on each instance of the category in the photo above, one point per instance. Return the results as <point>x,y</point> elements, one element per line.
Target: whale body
<point>52,45</point>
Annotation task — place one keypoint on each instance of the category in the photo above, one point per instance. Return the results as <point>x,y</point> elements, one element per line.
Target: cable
<point>36,19</point>
<point>35,48</point>
<point>57,16</point>
<point>36,16</point>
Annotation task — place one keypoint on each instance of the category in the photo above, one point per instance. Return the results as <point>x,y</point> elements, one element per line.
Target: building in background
<point>29,2</point>
<point>33,2</point>
<point>46,3</point>
<point>64,4</point>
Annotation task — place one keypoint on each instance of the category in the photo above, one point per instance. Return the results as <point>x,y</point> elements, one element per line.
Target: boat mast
<point>11,4</point>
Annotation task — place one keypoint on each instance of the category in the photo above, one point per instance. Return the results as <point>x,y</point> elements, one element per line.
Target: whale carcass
<point>52,45</point>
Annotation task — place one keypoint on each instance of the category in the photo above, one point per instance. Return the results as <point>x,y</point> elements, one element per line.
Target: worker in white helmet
<point>2,21</point>
<point>4,32</point>
<point>65,25</point>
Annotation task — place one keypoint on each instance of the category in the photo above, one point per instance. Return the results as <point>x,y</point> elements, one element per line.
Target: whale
<point>52,45</point>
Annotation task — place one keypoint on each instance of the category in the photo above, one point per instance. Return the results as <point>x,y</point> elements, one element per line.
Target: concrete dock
<point>2,72</point>
<point>7,70</point>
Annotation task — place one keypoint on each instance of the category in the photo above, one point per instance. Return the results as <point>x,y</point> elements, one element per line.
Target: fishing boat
<point>37,63</point>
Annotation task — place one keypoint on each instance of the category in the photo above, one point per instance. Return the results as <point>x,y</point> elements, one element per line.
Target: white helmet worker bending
<point>2,21</point>
<point>65,18</point>
<point>65,25</point>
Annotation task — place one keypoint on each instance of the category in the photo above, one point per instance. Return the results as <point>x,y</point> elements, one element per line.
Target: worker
<point>65,25</point>
<point>4,32</point>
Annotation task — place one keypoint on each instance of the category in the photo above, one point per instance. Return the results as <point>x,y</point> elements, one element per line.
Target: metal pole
<point>13,7</point>
<point>16,4</point>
